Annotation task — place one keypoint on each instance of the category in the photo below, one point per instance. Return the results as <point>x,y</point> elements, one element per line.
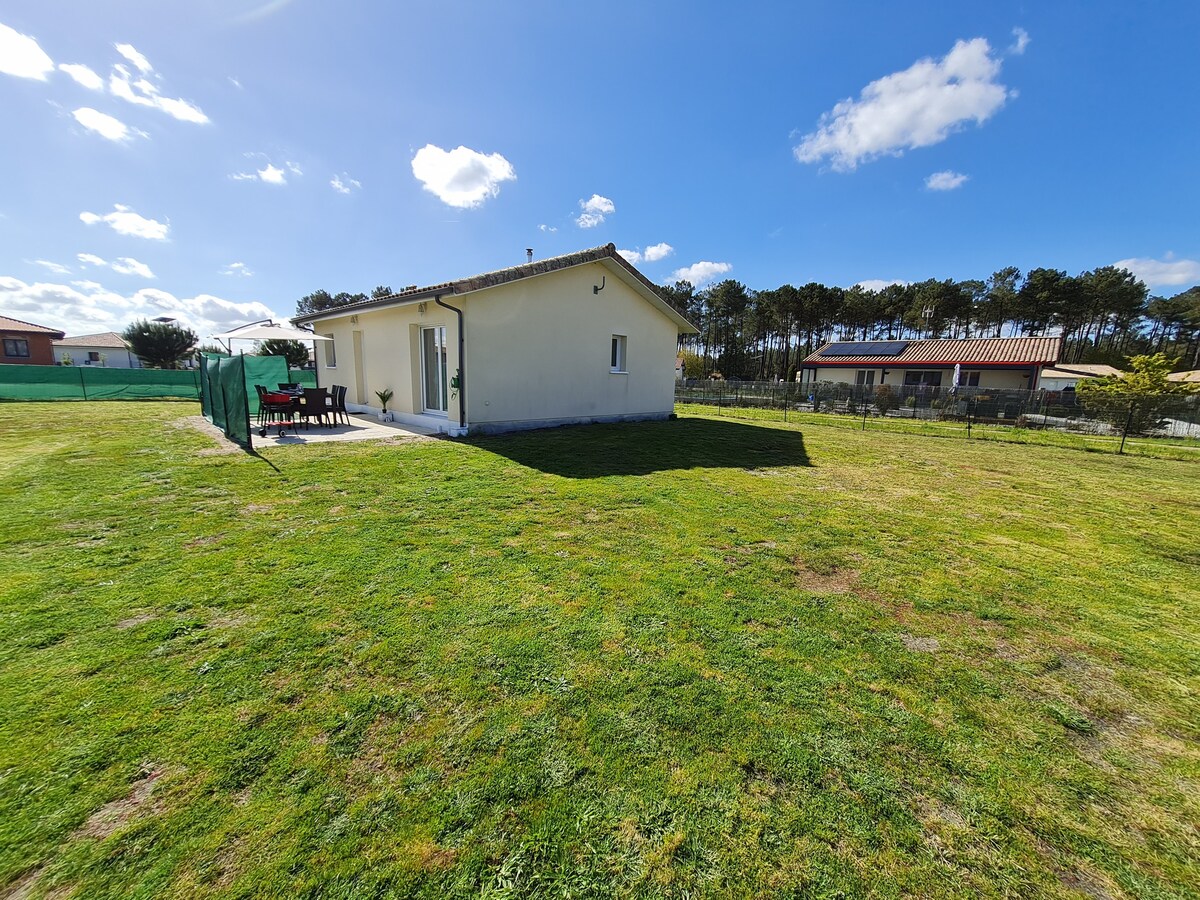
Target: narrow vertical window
<point>617,360</point>
<point>330,355</point>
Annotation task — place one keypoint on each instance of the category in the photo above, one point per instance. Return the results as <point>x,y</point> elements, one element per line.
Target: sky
<point>214,162</point>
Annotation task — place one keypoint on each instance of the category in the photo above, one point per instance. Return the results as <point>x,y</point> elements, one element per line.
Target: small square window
<point>617,359</point>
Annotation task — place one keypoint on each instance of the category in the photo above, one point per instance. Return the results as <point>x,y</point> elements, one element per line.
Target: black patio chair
<point>337,404</point>
<point>274,407</point>
<point>316,406</point>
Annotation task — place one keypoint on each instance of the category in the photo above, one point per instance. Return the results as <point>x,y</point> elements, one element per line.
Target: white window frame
<point>617,357</point>
<point>330,352</point>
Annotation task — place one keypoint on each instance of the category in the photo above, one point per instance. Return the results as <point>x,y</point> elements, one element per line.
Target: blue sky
<point>216,161</point>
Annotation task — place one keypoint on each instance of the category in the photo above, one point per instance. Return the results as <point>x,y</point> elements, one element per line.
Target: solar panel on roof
<point>865,348</point>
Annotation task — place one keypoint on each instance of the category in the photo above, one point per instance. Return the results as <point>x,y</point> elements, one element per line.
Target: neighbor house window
<point>330,354</point>
<point>617,360</point>
<point>93,356</point>
<point>968,379</point>
<point>865,377</point>
<point>16,347</point>
<point>928,379</point>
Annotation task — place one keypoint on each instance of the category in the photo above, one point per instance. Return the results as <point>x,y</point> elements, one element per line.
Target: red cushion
<point>277,398</point>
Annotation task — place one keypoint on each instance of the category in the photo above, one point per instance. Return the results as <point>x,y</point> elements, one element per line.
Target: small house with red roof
<point>26,344</point>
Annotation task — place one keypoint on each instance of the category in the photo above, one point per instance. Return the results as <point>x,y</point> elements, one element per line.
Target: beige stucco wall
<point>538,351</point>
<point>1005,379</point>
<point>390,357</point>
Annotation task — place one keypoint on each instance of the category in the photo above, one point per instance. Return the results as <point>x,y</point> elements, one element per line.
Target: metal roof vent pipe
<point>528,254</point>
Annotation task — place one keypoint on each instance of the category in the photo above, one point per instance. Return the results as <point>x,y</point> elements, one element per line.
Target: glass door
<point>433,369</point>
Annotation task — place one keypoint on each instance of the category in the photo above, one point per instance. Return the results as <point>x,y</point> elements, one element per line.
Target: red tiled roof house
<point>24,343</point>
<point>999,363</point>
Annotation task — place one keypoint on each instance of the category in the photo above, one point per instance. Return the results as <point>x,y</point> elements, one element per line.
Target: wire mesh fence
<point>1170,421</point>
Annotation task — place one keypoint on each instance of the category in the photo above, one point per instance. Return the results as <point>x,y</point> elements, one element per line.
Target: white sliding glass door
<point>433,369</point>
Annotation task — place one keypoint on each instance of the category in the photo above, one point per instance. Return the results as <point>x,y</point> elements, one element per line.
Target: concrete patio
<point>361,428</point>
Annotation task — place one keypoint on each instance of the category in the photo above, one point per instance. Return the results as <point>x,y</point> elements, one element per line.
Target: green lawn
<point>699,658</point>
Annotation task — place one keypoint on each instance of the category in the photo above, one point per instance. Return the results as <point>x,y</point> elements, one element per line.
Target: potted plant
<point>384,396</point>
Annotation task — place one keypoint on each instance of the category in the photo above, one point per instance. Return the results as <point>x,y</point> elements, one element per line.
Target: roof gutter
<point>462,361</point>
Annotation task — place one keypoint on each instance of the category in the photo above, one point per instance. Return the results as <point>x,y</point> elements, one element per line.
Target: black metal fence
<point>1174,418</point>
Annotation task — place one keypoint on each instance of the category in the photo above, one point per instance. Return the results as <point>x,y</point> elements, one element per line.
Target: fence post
<point>82,382</point>
<point>1125,430</point>
<point>970,410</point>
<point>865,408</point>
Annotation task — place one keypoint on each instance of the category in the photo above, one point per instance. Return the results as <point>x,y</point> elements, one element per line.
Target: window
<point>617,360</point>
<point>924,379</point>
<point>865,377</point>
<point>16,347</point>
<point>330,354</point>
<point>968,379</point>
<point>93,356</point>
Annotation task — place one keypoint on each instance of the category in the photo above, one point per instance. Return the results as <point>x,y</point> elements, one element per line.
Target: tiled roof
<point>7,324</point>
<point>1082,370</point>
<point>978,351</point>
<point>498,277</point>
<point>103,339</point>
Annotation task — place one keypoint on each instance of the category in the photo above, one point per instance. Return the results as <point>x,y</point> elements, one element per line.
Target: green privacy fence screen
<point>99,383</point>
<point>227,394</point>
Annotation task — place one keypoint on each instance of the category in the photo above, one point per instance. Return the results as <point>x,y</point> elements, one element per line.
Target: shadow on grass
<point>639,448</point>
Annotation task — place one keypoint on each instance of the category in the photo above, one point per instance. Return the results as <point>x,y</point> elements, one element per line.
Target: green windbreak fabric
<point>269,371</point>
<point>231,378</point>
<point>96,383</point>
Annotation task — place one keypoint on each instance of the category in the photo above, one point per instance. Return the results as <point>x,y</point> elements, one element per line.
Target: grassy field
<point>700,658</point>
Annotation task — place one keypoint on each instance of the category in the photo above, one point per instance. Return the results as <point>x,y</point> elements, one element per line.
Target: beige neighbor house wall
<point>1000,379</point>
<point>539,352</point>
<point>382,350</point>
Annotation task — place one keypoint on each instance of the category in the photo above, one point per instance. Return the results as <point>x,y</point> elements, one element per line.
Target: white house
<point>106,349</point>
<point>1066,376</point>
<point>999,363</point>
<point>578,338</point>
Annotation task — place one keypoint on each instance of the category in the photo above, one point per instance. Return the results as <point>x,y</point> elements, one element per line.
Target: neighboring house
<point>550,342</point>
<point>1066,376</point>
<point>105,349</point>
<point>998,363</point>
<point>679,370</point>
<point>24,343</point>
<point>1190,377</point>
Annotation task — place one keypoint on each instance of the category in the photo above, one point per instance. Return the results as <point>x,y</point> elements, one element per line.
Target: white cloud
<point>655,252</point>
<point>272,175</point>
<point>123,220</point>
<point>237,268</point>
<point>700,273</point>
<point>294,168</point>
<point>131,54</point>
<point>462,178</point>
<point>1020,42</point>
<point>56,268</point>
<point>878,284</point>
<point>87,306</point>
<point>1168,272</point>
<point>594,210</point>
<point>143,93</point>
<point>105,125</point>
<point>344,187</point>
<point>20,55</point>
<point>917,107</point>
<point>548,228</point>
<point>83,75</point>
<point>946,181</point>
<point>237,84</point>
<point>122,265</point>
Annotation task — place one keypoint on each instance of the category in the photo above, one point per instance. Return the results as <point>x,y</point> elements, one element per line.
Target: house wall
<point>41,349</point>
<point>538,352</point>
<point>1001,379</point>
<point>113,357</point>
<point>389,357</point>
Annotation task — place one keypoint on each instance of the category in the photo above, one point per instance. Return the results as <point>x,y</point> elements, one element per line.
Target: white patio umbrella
<point>267,330</point>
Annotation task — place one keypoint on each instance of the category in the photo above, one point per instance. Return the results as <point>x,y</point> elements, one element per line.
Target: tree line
<point>1104,315</point>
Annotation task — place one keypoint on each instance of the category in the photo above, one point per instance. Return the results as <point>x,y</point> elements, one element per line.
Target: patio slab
<point>361,428</point>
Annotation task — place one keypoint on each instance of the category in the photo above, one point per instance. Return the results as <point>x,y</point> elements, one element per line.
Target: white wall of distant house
<point>106,357</point>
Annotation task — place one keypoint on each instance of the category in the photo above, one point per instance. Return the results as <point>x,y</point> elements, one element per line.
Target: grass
<point>1158,448</point>
<point>700,658</point>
